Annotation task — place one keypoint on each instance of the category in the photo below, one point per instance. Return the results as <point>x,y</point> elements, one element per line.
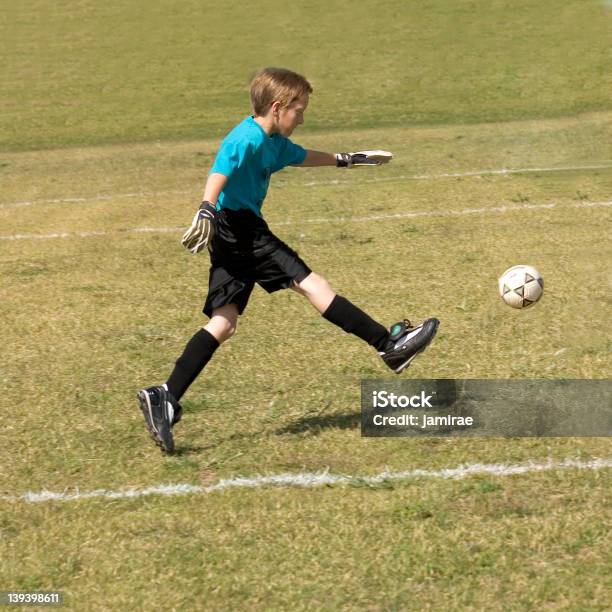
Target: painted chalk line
<point>96,198</point>
<point>324,220</point>
<point>352,182</point>
<point>133,230</point>
<point>450,213</point>
<point>312,479</point>
<point>427,177</point>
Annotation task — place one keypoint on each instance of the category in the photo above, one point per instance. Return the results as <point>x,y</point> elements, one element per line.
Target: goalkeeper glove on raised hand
<point>202,230</point>
<point>363,158</point>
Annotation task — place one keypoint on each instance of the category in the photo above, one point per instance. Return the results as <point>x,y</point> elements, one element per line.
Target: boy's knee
<point>313,284</point>
<point>222,329</point>
<point>318,291</point>
<point>229,328</point>
<point>223,323</point>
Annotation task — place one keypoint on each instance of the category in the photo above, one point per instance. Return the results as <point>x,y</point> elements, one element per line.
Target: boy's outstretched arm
<point>319,158</point>
<point>346,160</point>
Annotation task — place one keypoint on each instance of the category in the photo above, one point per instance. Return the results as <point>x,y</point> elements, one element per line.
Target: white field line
<point>312,479</point>
<point>352,182</point>
<point>449,213</point>
<point>96,198</point>
<point>501,171</point>
<point>322,220</point>
<point>133,230</point>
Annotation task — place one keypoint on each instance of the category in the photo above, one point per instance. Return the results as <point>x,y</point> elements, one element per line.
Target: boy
<point>244,251</point>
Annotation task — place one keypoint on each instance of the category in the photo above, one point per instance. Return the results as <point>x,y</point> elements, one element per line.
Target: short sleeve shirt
<point>248,157</point>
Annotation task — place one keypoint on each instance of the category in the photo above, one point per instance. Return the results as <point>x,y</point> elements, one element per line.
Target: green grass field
<point>112,114</point>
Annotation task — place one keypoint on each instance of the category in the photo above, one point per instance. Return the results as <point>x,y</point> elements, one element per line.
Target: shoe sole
<point>165,442</point>
<point>406,363</point>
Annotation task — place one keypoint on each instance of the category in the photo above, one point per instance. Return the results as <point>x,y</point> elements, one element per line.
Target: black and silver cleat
<point>161,412</point>
<point>406,342</point>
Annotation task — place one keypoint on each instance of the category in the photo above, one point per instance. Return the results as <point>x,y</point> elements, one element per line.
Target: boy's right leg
<point>160,404</point>
<point>200,348</point>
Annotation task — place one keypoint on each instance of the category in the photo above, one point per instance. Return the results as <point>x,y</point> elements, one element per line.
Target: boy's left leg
<point>397,347</point>
<point>340,311</point>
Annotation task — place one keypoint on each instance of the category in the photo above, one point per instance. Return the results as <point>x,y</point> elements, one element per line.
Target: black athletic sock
<point>351,319</point>
<point>196,355</point>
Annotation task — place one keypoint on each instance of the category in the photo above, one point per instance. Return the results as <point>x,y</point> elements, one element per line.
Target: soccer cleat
<point>161,412</point>
<point>406,342</point>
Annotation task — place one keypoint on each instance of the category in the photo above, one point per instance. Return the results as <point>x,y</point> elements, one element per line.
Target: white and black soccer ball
<point>521,286</point>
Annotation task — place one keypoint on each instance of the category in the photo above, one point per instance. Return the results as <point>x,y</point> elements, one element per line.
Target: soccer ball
<point>521,286</point>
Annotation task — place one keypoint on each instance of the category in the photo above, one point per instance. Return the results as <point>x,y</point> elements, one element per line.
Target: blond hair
<point>276,84</point>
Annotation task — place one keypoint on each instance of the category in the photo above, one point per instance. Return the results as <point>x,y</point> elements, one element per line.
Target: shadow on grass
<point>315,424</point>
<point>310,425</point>
<point>184,450</point>
<point>188,449</point>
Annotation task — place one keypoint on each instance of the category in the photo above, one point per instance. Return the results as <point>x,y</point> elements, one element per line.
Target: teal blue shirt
<point>248,157</point>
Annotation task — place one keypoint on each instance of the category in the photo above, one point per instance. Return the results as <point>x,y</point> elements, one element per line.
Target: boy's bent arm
<point>318,158</point>
<point>214,186</point>
<point>200,233</point>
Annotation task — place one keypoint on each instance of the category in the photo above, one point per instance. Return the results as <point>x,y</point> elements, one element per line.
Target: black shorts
<point>245,252</point>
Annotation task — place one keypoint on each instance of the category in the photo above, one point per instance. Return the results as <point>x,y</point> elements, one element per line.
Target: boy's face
<point>290,117</point>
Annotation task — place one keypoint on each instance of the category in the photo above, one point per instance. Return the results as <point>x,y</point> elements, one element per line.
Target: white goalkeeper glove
<point>202,230</point>
<point>363,158</point>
